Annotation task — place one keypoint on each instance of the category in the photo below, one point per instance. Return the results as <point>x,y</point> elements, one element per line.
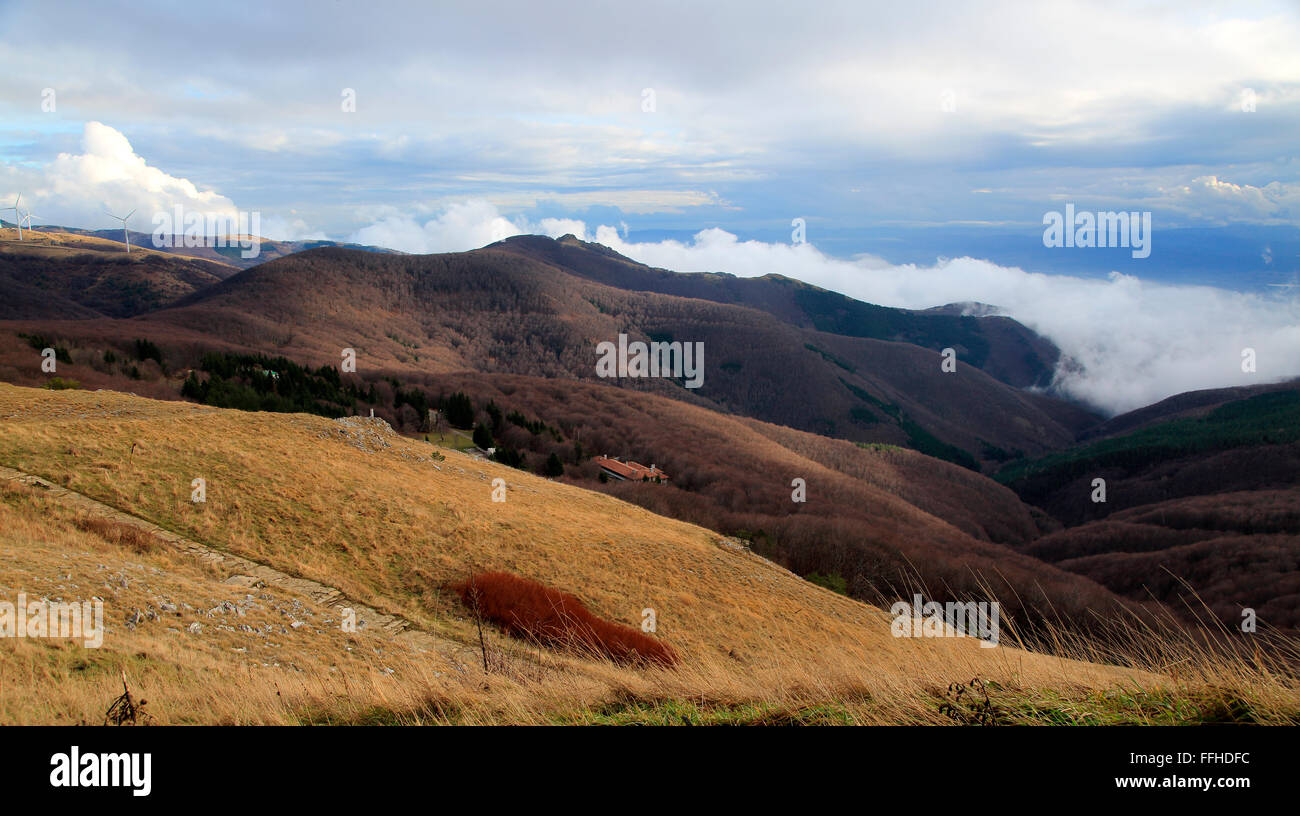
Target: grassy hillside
<point>878,521</point>
<point>391,524</point>
<point>884,520</point>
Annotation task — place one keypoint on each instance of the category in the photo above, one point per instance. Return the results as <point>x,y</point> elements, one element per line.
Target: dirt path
<point>369,620</point>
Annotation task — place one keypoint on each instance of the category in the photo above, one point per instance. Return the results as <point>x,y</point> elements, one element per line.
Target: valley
<point>962,486</point>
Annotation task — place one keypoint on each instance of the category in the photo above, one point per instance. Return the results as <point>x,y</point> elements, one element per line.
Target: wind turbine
<point>18,221</point>
<point>125,234</point>
<point>27,216</point>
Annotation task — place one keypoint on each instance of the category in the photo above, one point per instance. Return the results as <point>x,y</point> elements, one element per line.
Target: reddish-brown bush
<point>533,611</point>
<point>125,535</point>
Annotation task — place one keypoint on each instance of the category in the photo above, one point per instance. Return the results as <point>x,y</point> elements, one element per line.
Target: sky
<point>919,146</point>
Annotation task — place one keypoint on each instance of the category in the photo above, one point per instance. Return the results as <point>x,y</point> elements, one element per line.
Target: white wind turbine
<point>18,221</point>
<point>125,234</point>
<point>27,216</point>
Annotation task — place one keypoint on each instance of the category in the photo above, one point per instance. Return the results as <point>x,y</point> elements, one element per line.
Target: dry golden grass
<point>391,527</point>
<point>55,243</point>
<point>215,676</point>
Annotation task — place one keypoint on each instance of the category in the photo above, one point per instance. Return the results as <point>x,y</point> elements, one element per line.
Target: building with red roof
<point>630,471</point>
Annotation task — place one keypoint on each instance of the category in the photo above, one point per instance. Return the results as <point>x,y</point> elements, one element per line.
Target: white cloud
<point>556,227</point>
<point>1221,200</point>
<point>754,100</point>
<point>278,228</point>
<point>459,227</point>
<point>109,175</point>
<point>79,189</point>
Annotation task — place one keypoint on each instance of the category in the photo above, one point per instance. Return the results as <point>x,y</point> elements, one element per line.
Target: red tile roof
<point>631,471</point>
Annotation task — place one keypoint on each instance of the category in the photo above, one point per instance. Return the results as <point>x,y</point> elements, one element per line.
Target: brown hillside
<point>230,256</point>
<point>1007,350</point>
<point>1230,551</point>
<point>887,520</point>
<point>337,502</point>
<point>496,311</point>
<point>382,518</point>
<point>58,275</point>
